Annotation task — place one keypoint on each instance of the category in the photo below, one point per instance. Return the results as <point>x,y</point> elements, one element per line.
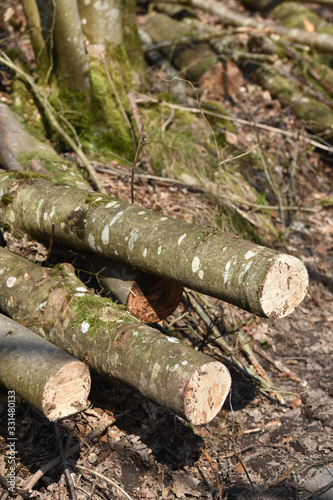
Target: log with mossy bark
<point>150,298</point>
<point>258,279</point>
<point>51,380</point>
<point>113,342</point>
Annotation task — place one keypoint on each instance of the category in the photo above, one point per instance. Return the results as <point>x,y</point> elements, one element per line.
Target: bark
<point>71,52</point>
<point>258,279</point>
<point>102,22</point>
<point>36,35</point>
<point>193,60</point>
<point>112,341</point>
<point>53,382</point>
<point>319,41</point>
<point>149,298</point>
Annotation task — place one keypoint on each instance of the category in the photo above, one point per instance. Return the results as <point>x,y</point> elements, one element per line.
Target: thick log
<point>149,298</point>
<point>53,382</point>
<point>264,281</point>
<point>112,341</point>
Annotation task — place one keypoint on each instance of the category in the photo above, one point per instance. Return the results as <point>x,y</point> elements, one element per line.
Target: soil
<point>266,443</point>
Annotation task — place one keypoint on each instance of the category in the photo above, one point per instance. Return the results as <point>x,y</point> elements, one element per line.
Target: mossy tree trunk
<point>81,35</point>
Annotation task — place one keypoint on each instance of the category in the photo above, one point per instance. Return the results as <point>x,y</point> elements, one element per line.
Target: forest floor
<point>263,444</point>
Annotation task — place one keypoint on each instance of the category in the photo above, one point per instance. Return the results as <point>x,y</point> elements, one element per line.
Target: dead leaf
<point>239,468</point>
<point>185,485</point>
<point>296,402</point>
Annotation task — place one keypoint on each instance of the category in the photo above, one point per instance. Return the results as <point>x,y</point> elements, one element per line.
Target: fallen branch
<point>112,341</point>
<point>53,382</point>
<point>319,41</point>
<point>255,278</point>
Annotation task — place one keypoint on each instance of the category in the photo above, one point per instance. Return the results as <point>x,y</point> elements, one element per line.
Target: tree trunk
<point>102,22</point>
<point>258,279</point>
<point>114,343</point>
<point>149,298</point>
<point>71,51</point>
<point>53,382</point>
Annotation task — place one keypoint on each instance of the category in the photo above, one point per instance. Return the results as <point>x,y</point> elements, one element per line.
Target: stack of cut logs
<point>46,198</point>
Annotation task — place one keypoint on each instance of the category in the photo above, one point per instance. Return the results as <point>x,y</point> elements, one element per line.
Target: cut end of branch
<point>206,392</point>
<point>152,299</point>
<point>285,286</point>
<point>66,392</point>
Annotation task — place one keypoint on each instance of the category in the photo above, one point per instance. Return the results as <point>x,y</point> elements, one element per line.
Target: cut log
<point>53,382</point>
<point>112,341</point>
<point>260,280</point>
<point>149,298</point>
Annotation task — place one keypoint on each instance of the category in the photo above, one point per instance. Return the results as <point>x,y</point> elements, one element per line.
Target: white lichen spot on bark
<point>98,199</point>
<point>11,281</point>
<point>81,289</point>
<point>164,218</point>
<point>45,215</point>
<point>133,237</point>
<point>250,254</point>
<point>172,340</point>
<point>52,212</point>
<point>155,371</point>
<point>226,273</point>
<point>135,333</point>
<point>142,212</point>
<point>105,235</point>
<point>144,253</point>
<point>73,337</point>
<point>159,250</point>
<point>84,21</point>
<point>42,305</point>
<point>115,252</point>
<point>38,211</point>
<point>114,13</point>
<point>99,249</point>
<point>91,241</point>
<point>201,274</point>
<point>174,367</point>
<point>242,274</point>
<point>115,218</point>
<point>11,216</point>
<point>110,204</point>
<point>180,239</point>
<point>224,249</point>
<point>184,363</point>
<point>195,264</point>
<point>85,326</point>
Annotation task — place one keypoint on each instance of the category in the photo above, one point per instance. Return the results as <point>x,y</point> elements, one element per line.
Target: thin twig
<point>67,473</point>
<point>76,448</point>
<point>141,99</point>
<point>108,480</point>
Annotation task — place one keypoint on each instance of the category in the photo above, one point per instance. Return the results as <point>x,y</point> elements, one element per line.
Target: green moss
<point>101,316</point>
<point>6,199</point>
<point>95,200</point>
<point>108,129</point>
